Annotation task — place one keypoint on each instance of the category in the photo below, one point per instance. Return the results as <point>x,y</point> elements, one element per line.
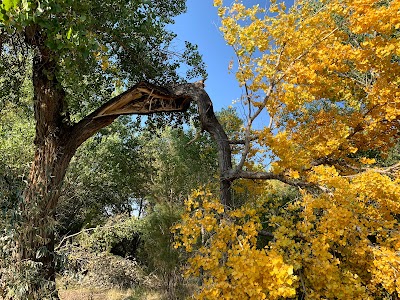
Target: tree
<point>79,52</point>
<point>327,74</point>
<point>322,74</point>
<point>181,161</point>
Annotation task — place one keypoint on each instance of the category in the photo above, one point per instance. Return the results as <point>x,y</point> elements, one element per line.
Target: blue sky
<point>199,25</point>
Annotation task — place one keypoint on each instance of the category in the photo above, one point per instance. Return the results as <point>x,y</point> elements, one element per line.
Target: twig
<point>196,137</point>
<point>72,235</point>
<point>386,170</point>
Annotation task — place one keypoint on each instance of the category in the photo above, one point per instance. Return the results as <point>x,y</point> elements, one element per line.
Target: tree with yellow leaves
<point>327,73</point>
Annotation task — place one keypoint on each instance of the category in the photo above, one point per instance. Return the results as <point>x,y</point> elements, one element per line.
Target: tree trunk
<point>36,238</point>
<point>210,123</point>
<point>40,201</point>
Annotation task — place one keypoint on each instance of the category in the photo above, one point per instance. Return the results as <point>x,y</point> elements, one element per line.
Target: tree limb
<point>142,99</point>
<point>268,176</point>
<point>145,98</point>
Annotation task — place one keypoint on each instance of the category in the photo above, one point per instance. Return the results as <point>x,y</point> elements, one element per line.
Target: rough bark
<point>36,239</point>
<point>210,123</point>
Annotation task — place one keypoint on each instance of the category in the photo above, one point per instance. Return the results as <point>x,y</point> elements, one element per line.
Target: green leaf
<point>9,4</point>
<point>69,33</point>
<point>85,53</point>
<point>5,6</point>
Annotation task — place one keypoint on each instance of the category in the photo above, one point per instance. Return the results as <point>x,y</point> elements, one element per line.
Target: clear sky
<point>199,25</point>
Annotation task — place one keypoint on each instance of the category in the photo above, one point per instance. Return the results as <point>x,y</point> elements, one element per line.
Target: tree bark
<point>56,141</point>
<point>36,238</point>
<point>210,123</point>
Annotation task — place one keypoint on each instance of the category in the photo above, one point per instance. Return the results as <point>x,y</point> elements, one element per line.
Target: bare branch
<point>251,118</point>
<point>242,142</point>
<point>196,137</point>
<point>266,233</point>
<point>270,176</point>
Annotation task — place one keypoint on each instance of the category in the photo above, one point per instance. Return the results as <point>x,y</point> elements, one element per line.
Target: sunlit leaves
<point>320,52</point>
<point>5,7</point>
<point>98,43</point>
<point>328,74</point>
<point>225,250</point>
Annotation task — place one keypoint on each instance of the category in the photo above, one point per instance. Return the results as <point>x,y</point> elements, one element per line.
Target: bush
<point>158,254</point>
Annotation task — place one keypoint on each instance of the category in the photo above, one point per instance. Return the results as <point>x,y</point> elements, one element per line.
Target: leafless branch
<point>242,142</point>
<point>272,176</point>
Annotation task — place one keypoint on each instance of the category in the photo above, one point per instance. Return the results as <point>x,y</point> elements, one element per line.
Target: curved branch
<point>142,99</point>
<point>271,176</point>
<point>210,123</point>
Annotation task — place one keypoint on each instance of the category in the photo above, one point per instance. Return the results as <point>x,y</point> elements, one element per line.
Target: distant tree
<point>181,161</point>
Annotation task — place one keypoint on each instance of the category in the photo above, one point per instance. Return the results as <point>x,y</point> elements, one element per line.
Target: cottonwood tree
<point>80,52</point>
<point>321,72</point>
<point>327,73</point>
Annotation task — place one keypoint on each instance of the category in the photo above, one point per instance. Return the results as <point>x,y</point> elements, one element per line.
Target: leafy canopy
<point>101,46</point>
<point>327,73</point>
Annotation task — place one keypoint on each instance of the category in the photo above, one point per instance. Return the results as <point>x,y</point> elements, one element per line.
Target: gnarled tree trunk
<point>57,140</point>
<point>36,237</point>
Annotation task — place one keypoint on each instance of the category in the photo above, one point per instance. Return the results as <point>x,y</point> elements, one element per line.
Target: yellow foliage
<point>328,74</point>
<point>320,74</point>
<point>227,259</point>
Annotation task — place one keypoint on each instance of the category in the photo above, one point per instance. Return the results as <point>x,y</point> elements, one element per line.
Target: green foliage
<point>103,238</point>
<point>16,141</point>
<point>132,170</point>
<point>230,121</point>
<point>99,46</point>
<point>157,251</point>
<point>19,278</point>
<point>107,176</point>
<point>6,6</point>
<point>16,90</point>
<point>182,160</point>
<point>90,260</point>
